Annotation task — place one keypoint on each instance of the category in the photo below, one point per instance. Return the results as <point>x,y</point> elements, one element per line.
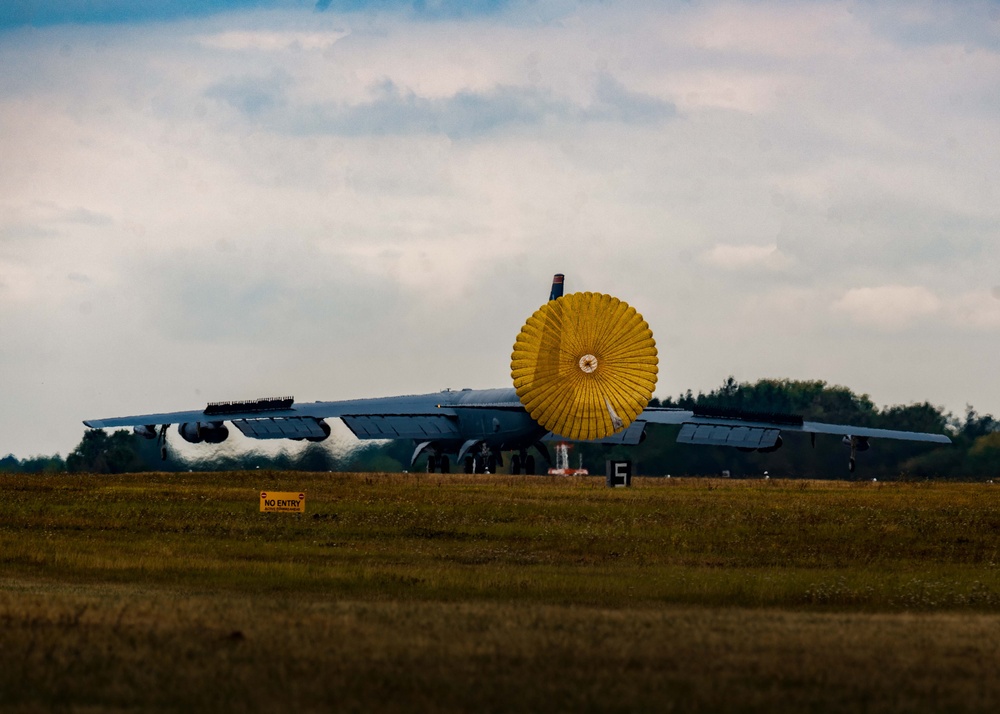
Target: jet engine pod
<point>189,432</point>
<point>857,443</point>
<point>211,432</point>
<point>585,365</point>
<point>214,432</point>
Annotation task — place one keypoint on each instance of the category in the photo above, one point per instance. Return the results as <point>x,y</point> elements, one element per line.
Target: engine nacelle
<point>857,443</point>
<point>216,433</point>
<point>190,432</point>
<point>210,432</point>
<point>146,431</point>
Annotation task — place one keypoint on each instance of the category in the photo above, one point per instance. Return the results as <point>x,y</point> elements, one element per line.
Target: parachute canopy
<point>585,365</point>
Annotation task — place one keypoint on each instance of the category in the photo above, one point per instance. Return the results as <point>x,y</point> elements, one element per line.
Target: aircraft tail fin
<point>557,286</point>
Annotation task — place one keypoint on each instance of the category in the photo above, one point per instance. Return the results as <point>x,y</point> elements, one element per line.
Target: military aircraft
<point>475,427</point>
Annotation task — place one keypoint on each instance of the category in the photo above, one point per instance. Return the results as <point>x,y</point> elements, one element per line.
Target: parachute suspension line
<point>616,420</point>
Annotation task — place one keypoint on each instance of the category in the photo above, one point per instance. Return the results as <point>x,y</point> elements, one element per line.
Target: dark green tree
<point>101,454</point>
<point>33,465</point>
<point>983,458</point>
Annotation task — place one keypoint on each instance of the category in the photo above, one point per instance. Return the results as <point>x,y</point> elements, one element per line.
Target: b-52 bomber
<point>583,368</point>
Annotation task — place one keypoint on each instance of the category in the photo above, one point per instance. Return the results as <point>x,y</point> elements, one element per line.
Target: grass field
<point>496,593</point>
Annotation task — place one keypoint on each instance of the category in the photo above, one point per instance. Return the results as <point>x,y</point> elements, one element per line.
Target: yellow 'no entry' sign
<point>282,502</point>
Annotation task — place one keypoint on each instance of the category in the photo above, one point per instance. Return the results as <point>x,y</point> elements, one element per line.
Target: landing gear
<point>522,463</point>
<point>480,457</point>
<point>435,462</point>
<point>161,438</point>
<point>484,464</point>
<point>483,460</point>
<point>856,444</point>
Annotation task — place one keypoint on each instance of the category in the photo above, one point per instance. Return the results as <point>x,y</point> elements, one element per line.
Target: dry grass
<point>124,647</point>
<point>438,593</point>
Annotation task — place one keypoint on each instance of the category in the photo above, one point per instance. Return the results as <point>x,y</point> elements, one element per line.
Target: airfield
<point>421,592</point>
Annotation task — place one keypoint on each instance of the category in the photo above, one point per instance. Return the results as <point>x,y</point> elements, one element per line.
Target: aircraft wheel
<point>529,465</point>
<point>850,465</point>
<point>431,464</point>
<point>491,463</point>
<point>515,464</point>
<point>445,465</point>
<point>469,464</point>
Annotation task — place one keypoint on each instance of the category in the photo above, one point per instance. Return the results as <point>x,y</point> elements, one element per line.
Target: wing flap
<point>396,426</point>
<point>280,428</point>
<point>742,437</point>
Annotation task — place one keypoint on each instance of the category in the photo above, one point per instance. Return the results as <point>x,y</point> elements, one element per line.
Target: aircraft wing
<point>719,427</point>
<point>409,417</point>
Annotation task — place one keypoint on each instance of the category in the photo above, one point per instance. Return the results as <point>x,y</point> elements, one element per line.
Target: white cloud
<point>889,307</point>
<point>747,257</point>
<point>976,310</point>
<point>17,282</point>
<point>790,31</point>
<point>272,41</point>
<point>897,307</point>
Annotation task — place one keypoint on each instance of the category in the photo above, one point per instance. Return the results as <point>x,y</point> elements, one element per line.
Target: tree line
<point>974,455</point>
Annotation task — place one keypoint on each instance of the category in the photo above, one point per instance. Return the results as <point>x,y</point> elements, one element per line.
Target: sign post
<point>282,502</point>
<point>618,474</point>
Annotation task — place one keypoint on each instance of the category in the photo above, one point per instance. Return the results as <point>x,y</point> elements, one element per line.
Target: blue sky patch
<point>39,13</point>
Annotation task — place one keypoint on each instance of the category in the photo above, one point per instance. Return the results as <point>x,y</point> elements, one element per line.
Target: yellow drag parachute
<point>585,365</point>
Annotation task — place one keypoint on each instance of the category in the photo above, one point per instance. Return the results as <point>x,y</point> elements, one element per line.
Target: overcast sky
<point>205,201</point>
